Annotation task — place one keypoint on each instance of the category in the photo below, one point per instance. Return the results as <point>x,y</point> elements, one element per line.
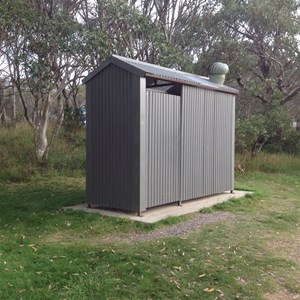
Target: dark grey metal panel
<point>207,163</point>
<point>163,134</point>
<point>143,146</point>
<point>113,124</point>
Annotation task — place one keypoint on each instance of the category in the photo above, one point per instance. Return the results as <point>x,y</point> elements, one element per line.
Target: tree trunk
<point>2,104</point>
<point>41,140</point>
<point>41,143</point>
<point>59,121</point>
<point>13,103</point>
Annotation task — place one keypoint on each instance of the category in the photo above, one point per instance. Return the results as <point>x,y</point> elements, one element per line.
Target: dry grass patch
<point>287,246</point>
<point>281,295</point>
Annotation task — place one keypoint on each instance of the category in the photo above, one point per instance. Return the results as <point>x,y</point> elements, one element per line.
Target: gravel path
<point>182,228</point>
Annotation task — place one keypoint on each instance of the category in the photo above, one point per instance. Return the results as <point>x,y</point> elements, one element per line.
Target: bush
<point>74,118</point>
<point>271,130</point>
<point>17,159</point>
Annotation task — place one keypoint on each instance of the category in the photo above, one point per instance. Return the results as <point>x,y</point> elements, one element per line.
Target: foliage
<point>272,126</point>
<point>75,118</point>
<point>47,47</point>
<point>46,56</point>
<point>258,40</point>
<point>272,43</point>
<point>132,31</point>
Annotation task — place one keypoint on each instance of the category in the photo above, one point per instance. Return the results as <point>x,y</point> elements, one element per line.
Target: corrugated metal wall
<point>224,141</point>
<point>163,153</point>
<point>113,140</point>
<point>144,151</point>
<point>193,146</point>
<point>208,172</point>
<point>190,145</point>
<point>207,142</point>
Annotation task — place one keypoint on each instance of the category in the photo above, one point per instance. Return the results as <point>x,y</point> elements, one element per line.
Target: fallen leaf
<point>208,290</point>
<point>67,223</point>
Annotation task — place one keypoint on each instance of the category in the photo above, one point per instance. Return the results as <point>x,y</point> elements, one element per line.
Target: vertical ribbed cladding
<point>113,139</point>
<point>89,134</point>
<point>207,142</point>
<point>163,132</point>
<point>224,168</point>
<point>192,143</point>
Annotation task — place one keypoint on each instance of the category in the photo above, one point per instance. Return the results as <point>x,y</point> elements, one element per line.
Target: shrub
<point>271,130</point>
<point>17,160</point>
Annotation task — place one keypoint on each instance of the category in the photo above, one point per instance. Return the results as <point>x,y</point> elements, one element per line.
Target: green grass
<point>17,160</point>
<point>270,163</point>
<point>50,253</point>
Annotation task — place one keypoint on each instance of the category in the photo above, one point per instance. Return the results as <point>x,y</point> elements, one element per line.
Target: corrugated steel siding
<point>224,139</point>
<point>113,139</point>
<point>207,142</point>
<point>192,148</point>
<point>163,134</point>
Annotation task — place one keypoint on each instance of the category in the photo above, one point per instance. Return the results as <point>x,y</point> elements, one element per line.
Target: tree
<point>46,53</point>
<point>266,32</point>
<point>258,130</point>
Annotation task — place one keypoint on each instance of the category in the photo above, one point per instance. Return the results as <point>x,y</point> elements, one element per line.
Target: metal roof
<point>144,69</point>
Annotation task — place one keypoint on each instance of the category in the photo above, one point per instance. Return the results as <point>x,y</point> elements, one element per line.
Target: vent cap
<point>217,72</point>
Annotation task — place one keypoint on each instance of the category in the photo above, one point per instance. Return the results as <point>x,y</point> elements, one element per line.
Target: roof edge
<point>113,59</point>
<point>217,87</point>
<point>121,62</point>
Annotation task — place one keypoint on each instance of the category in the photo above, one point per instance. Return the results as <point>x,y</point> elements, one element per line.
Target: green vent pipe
<point>217,72</point>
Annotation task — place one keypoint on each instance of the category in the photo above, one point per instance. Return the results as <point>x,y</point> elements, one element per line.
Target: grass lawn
<point>48,253</point>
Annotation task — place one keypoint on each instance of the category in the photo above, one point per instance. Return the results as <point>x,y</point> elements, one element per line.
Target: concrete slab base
<point>156,214</point>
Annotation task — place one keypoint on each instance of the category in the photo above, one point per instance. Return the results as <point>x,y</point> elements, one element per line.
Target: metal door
<point>163,144</point>
<point>207,147</point>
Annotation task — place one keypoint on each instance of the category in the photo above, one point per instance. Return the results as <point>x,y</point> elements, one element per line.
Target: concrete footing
<point>156,214</point>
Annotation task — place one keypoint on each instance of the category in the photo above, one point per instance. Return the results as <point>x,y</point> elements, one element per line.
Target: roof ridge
<point>144,69</point>
<point>127,59</point>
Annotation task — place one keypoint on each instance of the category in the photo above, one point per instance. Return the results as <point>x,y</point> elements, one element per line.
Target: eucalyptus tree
<point>169,32</point>
<point>260,42</point>
<point>183,23</point>
<point>47,49</point>
<point>261,37</point>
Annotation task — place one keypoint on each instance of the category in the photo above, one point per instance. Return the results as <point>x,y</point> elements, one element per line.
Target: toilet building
<point>156,135</point>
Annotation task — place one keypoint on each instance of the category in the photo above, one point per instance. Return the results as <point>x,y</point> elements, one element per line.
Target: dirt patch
<point>287,246</point>
<point>281,295</point>
<point>179,229</point>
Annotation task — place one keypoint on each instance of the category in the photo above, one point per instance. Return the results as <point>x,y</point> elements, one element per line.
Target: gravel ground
<point>182,228</point>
